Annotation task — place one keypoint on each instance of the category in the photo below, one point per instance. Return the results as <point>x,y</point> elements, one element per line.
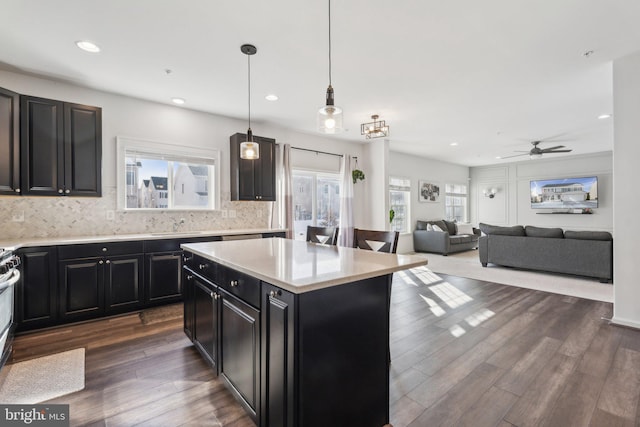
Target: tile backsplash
<point>87,216</point>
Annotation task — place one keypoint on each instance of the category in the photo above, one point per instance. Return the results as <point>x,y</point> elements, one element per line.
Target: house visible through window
<point>316,201</point>
<point>161,178</point>
<point>400,203</point>
<point>455,204</point>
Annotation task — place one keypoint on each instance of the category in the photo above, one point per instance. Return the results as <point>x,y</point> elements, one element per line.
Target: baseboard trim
<point>625,322</point>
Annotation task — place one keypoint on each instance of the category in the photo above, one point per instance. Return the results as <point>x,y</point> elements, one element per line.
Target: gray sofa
<point>583,253</point>
<point>443,242</point>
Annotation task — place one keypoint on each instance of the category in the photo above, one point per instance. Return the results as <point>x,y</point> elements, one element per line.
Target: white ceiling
<point>490,75</point>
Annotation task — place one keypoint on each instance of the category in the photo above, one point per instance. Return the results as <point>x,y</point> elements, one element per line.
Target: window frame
<point>315,174</point>
<point>452,194</point>
<point>405,189</point>
<point>175,153</point>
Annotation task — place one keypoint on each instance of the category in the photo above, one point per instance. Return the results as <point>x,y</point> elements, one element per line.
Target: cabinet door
<point>82,150</point>
<point>240,350</point>
<point>164,277</point>
<point>42,148</point>
<point>81,288</point>
<point>123,283</point>
<point>37,297</point>
<point>278,398</point>
<point>188,297</point>
<point>253,179</point>
<point>205,329</point>
<point>9,142</point>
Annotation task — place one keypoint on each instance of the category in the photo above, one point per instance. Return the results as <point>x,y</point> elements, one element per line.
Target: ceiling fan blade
<point>515,155</point>
<point>557,151</point>
<point>546,150</point>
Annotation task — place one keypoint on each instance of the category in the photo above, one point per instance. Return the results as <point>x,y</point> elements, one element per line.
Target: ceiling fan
<point>537,152</point>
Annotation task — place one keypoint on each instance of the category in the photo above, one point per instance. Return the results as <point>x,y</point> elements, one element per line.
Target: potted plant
<point>357,174</point>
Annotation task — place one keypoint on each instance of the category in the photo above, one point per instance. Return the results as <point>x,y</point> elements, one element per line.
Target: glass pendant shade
<point>330,116</point>
<point>249,150</point>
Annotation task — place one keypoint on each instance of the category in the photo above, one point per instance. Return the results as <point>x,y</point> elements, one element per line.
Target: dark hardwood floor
<point>464,353</point>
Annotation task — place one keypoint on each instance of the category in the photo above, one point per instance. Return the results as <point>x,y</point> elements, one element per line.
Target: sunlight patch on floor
<point>457,331</point>
<point>479,316</point>
<point>406,278</point>
<point>426,276</point>
<point>434,307</point>
<point>450,295</point>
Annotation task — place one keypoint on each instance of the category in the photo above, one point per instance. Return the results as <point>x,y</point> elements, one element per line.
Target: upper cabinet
<point>253,179</point>
<point>9,142</point>
<point>61,148</point>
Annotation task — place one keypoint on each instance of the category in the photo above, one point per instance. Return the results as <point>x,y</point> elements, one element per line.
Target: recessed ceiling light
<point>88,46</point>
<point>453,144</point>
<point>498,157</point>
<point>178,101</point>
<point>604,116</point>
<point>271,97</point>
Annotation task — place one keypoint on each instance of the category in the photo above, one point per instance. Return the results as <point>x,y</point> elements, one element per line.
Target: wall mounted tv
<point>565,193</point>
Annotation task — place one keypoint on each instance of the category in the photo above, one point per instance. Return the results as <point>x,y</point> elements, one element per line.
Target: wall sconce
<point>490,192</point>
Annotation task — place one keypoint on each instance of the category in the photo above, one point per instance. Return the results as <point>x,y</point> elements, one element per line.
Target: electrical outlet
<point>232,213</point>
<point>111,215</point>
<point>17,216</point>
<point>224,213</point>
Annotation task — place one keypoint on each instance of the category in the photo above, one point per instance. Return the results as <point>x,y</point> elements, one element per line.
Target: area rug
<point>161,314</point>
<point>38,380</point>
<point>467,264</point>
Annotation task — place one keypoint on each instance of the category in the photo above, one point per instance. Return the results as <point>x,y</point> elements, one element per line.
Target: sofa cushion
<point>439,223</point>
<point>588,235</point>
<point>532,231</point>
<point>452,228</point>
<point>463,238</point>
<point>421,225</point>
<point>435,227</point>
<point>516,230</point>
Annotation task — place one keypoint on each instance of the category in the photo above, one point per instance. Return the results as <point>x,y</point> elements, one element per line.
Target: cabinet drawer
<point>164,245</point>
<point>245,287</point>
<point>204,267</point>
<point>99,249</point>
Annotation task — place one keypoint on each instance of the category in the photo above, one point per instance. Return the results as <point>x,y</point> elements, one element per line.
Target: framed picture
<point>428,192</point>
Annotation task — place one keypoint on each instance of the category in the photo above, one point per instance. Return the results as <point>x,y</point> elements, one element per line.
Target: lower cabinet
<point>163,282</point>
<point>92,287</point>
<point>37,297</point>
<point>206,320</point>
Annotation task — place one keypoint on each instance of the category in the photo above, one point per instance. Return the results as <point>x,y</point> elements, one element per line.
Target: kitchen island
<point>299,332</point>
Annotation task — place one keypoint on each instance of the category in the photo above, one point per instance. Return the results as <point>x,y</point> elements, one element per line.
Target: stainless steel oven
<point>9,278</point>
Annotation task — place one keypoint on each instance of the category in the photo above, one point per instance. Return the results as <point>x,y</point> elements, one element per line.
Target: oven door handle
<point>12,281</point>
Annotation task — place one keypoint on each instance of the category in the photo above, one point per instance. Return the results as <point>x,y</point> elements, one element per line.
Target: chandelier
<point>375,129</point>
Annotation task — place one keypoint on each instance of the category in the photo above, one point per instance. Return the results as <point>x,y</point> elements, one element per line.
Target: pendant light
<point>249,150</point>
<point>330,116</point>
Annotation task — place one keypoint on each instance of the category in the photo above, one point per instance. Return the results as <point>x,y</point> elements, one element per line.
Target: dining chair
<point>374,240</point>
<point>324,235</point>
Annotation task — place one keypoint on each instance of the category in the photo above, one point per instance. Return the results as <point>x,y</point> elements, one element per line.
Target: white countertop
<point>13,244</point>
<point>298,266</point>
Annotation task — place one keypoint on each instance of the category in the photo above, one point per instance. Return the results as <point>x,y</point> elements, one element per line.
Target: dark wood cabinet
<point>277,366</point>
<point>253,179</point>
<point>240,350</point>
<point>9,142</point>
<point>163,282</point>
<point>99,279</point>
<point>61,148</point>
<point>37,297</point>
<point>205,318</point>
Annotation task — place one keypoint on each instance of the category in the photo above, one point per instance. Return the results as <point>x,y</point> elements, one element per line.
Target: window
<point>455,204</point>
<point>316,201</point>
<point>400,203</point>
<point>160,176</point>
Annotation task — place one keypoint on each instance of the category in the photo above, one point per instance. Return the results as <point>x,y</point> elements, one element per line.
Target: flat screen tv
<point>565,193</point>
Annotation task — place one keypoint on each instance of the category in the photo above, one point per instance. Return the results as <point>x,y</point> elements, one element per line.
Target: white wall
<point>626,111</point>
<point>512,204</point>
<point>376,184</point>
<point>423,169</point>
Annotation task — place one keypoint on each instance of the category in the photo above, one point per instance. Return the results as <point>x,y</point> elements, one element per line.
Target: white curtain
<point>345,238</point>
<point>287,195</point>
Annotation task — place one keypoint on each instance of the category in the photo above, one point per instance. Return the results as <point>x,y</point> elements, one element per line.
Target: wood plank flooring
<point>464,353</point>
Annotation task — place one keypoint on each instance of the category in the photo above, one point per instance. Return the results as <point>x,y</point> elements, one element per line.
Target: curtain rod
<point>320,152</point>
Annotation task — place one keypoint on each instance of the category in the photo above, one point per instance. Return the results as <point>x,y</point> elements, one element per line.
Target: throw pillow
<point>452,228</point>
<point>436,228</point>
<point>429,227</point>
<point>421,225</point>
<point>516,230</point>
<point>440,223</point>
<point>532,231</point>
<point>465,229</point>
